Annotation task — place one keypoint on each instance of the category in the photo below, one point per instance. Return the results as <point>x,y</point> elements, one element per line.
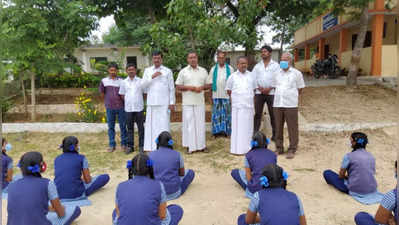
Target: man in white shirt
<point>192,82</point>
<point>289,84</point>
<point>241,87</point>
<point>160,100</point>
<point>265,72</point>
<point>131,92</point>
<point>221,110</point>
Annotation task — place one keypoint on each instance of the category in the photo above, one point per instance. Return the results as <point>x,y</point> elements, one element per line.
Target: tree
<point>359,11</point>
<point>135,31</point>
<point>43,40</point>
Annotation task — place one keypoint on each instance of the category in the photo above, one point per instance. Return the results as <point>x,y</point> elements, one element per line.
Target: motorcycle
<point>327,67</point>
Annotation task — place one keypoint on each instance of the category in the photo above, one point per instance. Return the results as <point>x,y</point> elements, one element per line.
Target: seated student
<point>384,213</point>
<point>142,199</point>
<point>169,167</point>
<point>6,164</point>
<point>69,167</point>
<point>275,205</point>
<point>356,176</point>
<point>255,160</point>
<point>28,197</point>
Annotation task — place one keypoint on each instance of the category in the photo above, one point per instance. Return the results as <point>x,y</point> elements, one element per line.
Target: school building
<point>329,34</point>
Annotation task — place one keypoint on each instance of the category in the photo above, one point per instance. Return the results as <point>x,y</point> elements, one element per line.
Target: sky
<point>107,22</point>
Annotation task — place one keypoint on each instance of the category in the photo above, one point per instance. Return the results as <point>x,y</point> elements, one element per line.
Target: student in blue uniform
<point>275,205</point>
<point>169,167</point>
<point>28,197</point>
<point>142,199</point>
<point>6,164</point>
<point>387,212</point>
<point>69,168</point>
<point>356,176</point>
<point>254,162</point>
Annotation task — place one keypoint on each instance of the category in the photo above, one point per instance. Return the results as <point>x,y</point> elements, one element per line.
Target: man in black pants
<point>131,91</point>
<point>265,72</point>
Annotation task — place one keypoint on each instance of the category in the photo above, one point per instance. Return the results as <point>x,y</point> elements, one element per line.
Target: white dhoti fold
<point>157,120</point>
<point>242,126</point>
<point>193,132</point>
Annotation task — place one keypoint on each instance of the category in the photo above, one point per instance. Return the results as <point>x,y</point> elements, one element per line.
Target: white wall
<point>115,54</point>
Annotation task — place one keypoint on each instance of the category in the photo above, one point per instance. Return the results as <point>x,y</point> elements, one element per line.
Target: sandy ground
<point>340,104</point>
<point>215,199</point>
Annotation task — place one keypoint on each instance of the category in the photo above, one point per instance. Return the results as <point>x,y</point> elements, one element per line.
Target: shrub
<point>87,110</point>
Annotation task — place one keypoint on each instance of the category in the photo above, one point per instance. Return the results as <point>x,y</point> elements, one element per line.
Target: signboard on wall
<point>329,20</point>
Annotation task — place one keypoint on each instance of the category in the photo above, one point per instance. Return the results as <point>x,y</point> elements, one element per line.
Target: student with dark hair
<point>275,205</point>
<point>356,176</point>
<point>387,212</point>
<point>142,199</point>
<point>70,167</point>
<point>6,164</point>
<point>255,160</point>
<point>131,91</point>
<point>109,90</point>
<point>169,167</point>
<point>29,197</point>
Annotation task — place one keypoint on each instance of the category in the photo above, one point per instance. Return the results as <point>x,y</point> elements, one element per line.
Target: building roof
<point>105,46</point>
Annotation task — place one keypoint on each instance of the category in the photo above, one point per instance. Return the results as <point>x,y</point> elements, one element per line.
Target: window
<point>132,59</point>
<point>301,54</point>
<point>95,60</point>
<point>228,60</point>
<point>384,30</point>
<point>367,40</point>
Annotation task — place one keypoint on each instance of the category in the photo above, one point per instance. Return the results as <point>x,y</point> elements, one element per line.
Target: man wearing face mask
<point>288,86</point>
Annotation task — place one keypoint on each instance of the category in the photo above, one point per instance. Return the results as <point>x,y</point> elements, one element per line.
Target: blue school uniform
<point>166,164</point>
<point>256,159</point>
<point>361,183</point>
<point>6,164</point>
<point>388,202</point>
<point>143,196</point>
<point>276,206</point>
<point>68,176</point>
<point>28,202</point>
<point>360,165</point>
<point>68,172</point>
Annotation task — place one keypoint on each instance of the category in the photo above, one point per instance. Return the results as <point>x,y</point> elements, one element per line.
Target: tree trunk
<point>24,94</point>
<point>351,79</point>
<point>280,52</point>
<point>250,54</point>
<point>33,97</point>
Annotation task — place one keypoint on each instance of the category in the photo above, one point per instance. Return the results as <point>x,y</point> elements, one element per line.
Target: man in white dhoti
<point>241,87</point>
<point>160,89</point>
<point>192,82</point>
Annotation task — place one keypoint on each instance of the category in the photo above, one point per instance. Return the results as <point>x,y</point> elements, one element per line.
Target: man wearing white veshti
<point>241,87</point>
<point>160,90</point>
<point>192,82</point>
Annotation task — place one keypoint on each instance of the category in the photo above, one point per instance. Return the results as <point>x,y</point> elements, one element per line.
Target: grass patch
<point>94,145</point>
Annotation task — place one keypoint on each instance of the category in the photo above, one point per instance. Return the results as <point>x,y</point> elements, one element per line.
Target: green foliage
<point>42,34</point>
<point>135,31</point>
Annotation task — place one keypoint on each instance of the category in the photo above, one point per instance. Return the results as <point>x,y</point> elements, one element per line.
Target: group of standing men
<point>238,100</point>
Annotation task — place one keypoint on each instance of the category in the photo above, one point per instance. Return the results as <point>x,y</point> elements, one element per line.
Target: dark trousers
<point>289,115</point>
<point>363,218</point>
<point>332,178</point>
<point>138,118</point>
<point>260,100</point>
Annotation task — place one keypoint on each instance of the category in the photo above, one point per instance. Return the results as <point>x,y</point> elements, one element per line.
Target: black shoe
<point>129,150</point>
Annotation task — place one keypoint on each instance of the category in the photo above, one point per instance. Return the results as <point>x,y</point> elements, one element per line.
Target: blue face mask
<point>284,64</point>
<point>8,147</point>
